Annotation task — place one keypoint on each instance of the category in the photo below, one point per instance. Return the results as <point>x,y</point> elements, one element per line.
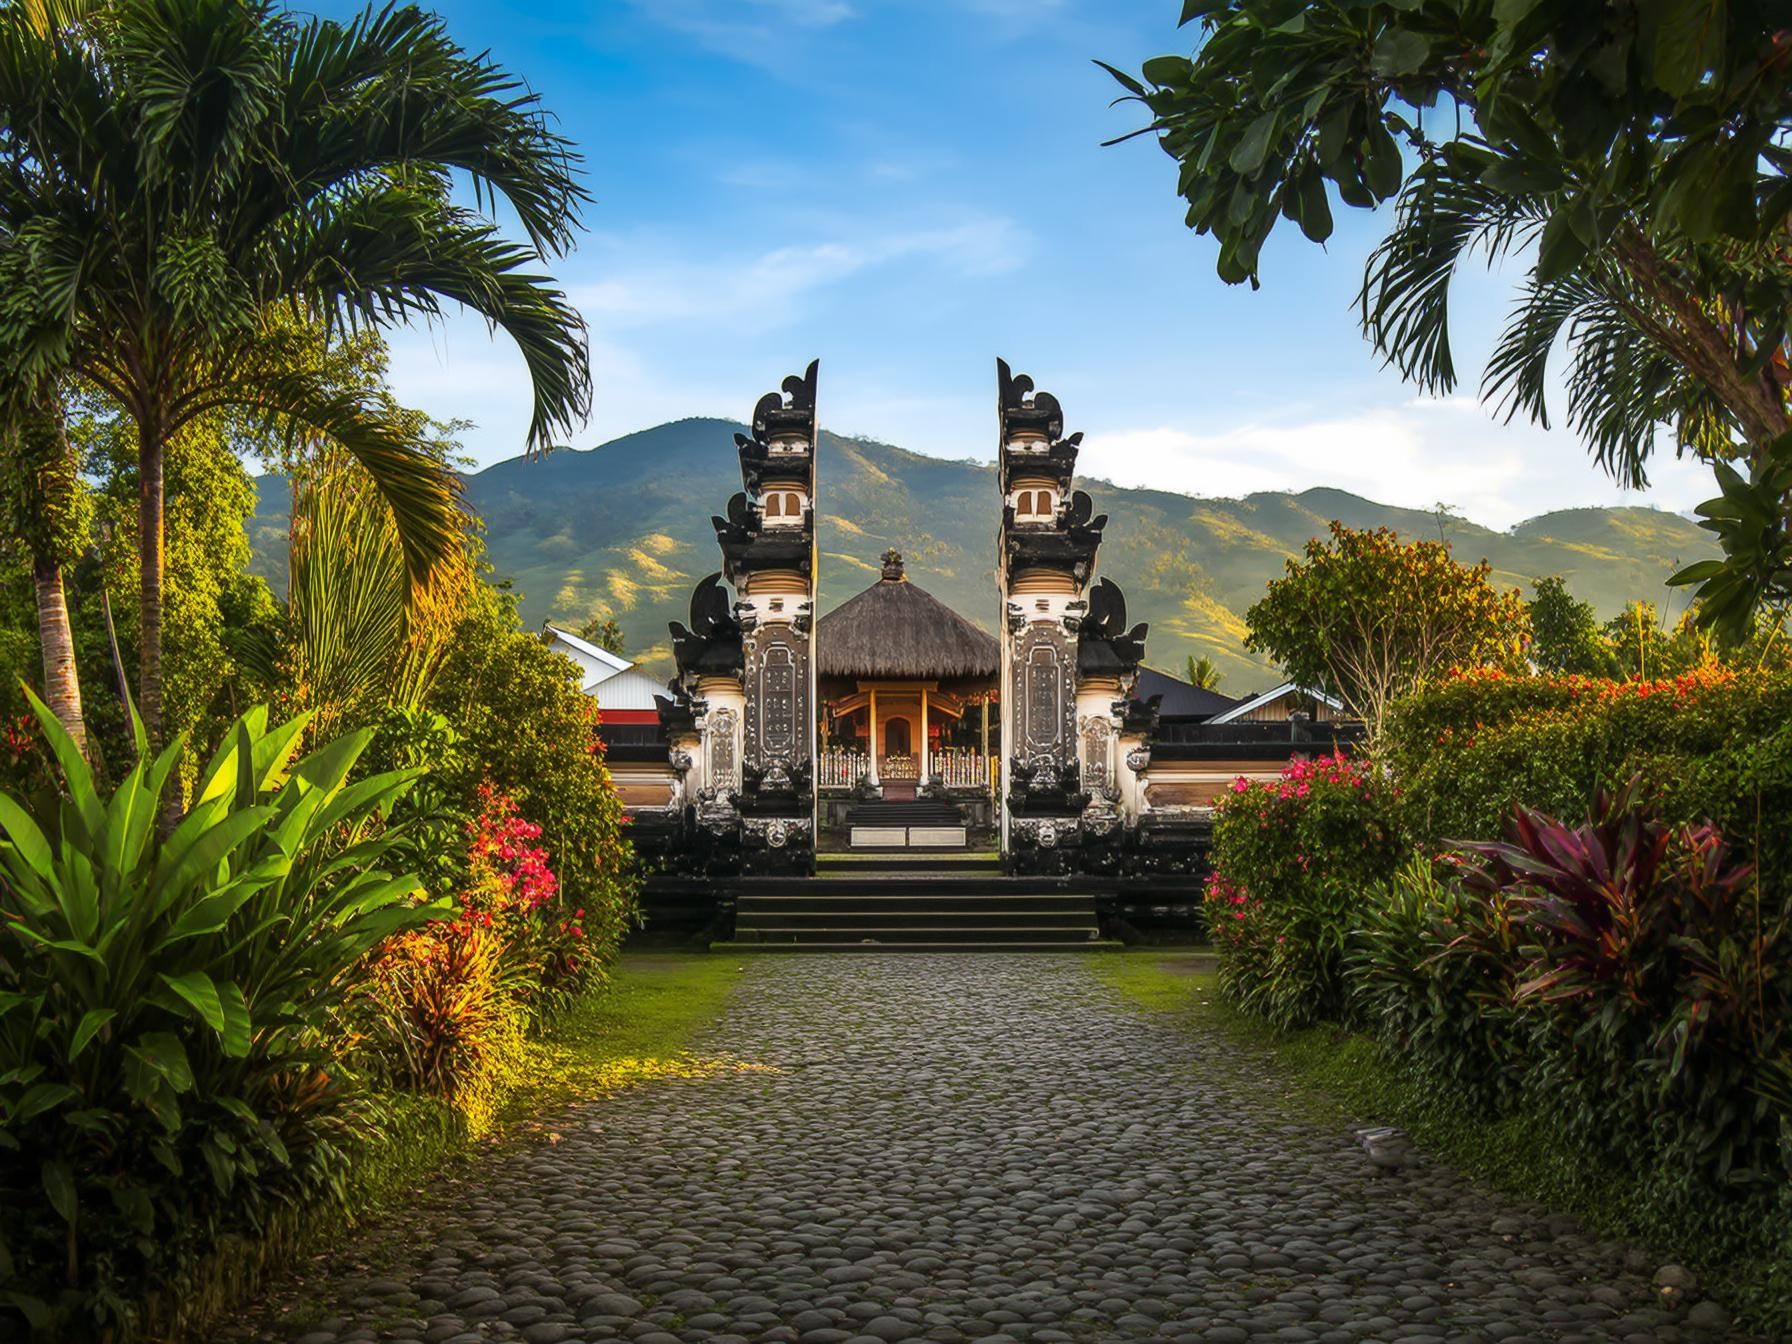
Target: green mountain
<point>623,530</point>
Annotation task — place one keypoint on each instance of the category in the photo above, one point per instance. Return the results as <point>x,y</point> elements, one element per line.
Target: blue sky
<point>908,188</point>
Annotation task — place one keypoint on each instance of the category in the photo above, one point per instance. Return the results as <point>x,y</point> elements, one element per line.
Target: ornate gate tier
<point>1070,784</point>
<point>741,717</point>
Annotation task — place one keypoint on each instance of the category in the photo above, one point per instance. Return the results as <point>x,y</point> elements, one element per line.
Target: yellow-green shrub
<point>439,1017</point>
<point>1712,745</point>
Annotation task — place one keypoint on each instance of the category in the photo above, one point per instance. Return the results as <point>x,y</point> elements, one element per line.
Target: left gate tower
<point>741,720</point>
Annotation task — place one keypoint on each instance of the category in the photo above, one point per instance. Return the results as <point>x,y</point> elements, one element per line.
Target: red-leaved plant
<point>445,1005</point>
<point>1647,975</point>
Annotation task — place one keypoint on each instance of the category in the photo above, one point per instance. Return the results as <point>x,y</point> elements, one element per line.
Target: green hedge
<point>1713,745</point>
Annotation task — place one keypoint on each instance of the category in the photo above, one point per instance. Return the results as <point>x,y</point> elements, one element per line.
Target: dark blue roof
<point>1181,699</point>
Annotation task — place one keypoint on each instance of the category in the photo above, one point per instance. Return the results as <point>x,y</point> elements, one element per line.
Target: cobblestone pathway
<point>970,1148</point>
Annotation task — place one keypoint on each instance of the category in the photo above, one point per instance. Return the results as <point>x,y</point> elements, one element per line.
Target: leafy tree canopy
<point>1634,155</point>
<point>1565,632</point>
<point>1367,617</point>
<point>520,723</point>
<point>605,633</point>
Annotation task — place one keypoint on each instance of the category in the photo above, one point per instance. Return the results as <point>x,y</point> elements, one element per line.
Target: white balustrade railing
<point>960,768</point>
<point>954,767</point>
<point>842,768</point>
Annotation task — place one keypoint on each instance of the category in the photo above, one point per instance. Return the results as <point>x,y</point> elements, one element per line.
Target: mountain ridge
<point>622,529</point>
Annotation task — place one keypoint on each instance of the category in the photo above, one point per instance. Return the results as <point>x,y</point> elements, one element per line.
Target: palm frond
<point>361,638</point>
<point>390,90</point>
<point>398,251</point>
<point>201,78</point>
<point>1443,213</point>
<point>1517,371</point>
<point>420,492</point>
<point>345,597</point>
<point>1621,388</point>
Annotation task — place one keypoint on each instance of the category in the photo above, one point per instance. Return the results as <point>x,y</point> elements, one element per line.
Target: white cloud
<point>1415,454</point>
<point>460,370</point>
<point>640,290</point>
<point>757,32</point>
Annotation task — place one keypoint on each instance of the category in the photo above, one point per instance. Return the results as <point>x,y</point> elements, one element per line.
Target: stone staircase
<point>913,903</point>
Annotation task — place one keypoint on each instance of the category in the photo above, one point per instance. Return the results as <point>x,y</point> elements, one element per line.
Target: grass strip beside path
<point>1334,1077</point>
<point>641,1025</point>
<point>639,1028</point>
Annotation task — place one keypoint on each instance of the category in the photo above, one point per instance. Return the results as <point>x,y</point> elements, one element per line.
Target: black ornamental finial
<point>1022,409</point>
<point>892,565</point>
<point>789,411</point>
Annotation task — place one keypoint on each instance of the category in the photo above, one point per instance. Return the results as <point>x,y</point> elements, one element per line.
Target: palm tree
<point>1203,672</point>
<point>1656,329</point>
<point>177,176</point>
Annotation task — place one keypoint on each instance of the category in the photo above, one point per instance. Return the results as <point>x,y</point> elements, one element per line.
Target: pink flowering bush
<point>1294,862</point>
<point>511,889</point>
<point>444,1007</point>
<point>503,854</point>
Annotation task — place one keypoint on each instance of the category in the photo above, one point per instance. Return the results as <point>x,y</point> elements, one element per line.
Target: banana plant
<point>165,1000</point>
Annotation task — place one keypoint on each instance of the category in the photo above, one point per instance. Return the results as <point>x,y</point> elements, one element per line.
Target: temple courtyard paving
<point>979,1147</point>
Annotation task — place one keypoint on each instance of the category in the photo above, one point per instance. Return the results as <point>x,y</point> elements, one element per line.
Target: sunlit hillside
<point>623,530</point>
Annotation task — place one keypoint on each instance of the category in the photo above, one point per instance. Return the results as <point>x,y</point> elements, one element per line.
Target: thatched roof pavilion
<point>894,631</point>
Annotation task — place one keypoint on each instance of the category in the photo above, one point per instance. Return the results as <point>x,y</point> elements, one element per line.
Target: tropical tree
<point>605,633</point>
<point>48,513</point>
<point>180,175</point>
<point>1565,634</point>
<point>1203,672</point>
<point>1368,617</point>
<point>521,725</point>
<point>1633,155</point>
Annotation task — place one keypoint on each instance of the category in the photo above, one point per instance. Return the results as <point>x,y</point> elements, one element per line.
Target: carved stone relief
<point>1043,685</point>
<point>778,709</point>
<point>1097,734</point>
<point>724,763</point>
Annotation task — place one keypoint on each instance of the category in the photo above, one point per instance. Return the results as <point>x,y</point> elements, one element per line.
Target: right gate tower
<point>1074,746</point>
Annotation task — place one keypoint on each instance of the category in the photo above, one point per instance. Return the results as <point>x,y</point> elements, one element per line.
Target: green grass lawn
<point>1335,1077</point>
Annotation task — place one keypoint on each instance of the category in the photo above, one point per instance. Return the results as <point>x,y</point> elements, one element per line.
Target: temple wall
<point>1203,783</point>
<point>1098,736</point>
<point>1132,753</point>
<point>645,783</point>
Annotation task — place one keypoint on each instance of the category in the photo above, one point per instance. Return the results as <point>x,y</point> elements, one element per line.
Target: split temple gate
<point>894,723</point>
<point>741,721</point>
